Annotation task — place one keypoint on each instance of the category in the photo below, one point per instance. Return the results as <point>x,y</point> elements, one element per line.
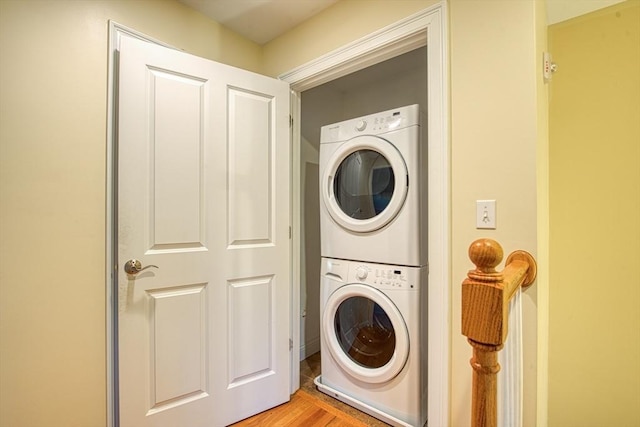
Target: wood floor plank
<point>315,417</point>
<point>303,410</point>
<point>332,410</point>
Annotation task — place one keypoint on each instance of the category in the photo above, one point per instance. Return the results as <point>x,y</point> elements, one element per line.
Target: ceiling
<point>263,20</point>
<point>259,20</point>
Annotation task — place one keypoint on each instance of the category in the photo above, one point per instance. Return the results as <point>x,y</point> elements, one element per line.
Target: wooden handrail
<point>485,309</point>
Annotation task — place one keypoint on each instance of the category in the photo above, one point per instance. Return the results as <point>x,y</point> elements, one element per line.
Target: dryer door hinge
<point>290,232</point>
<point>290,344</point>
<point>290,121</point>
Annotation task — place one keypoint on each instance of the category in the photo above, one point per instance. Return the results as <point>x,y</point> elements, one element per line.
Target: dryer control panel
<point>373,124</point>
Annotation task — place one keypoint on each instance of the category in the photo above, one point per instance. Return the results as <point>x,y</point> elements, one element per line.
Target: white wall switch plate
<point>486,214</point>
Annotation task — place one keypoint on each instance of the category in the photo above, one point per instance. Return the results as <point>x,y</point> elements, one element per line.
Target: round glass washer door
<point>365,333</point>
<point>366,183</point>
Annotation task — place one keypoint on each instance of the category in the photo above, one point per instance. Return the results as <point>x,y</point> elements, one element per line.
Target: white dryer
<point>373,183</point>
<point>374,339</point>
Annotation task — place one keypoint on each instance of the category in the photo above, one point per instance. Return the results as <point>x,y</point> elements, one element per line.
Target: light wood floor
<point>309,407</point>
<point>303,410</point>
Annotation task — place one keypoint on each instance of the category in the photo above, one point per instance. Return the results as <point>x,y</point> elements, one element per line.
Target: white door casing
<point>203,193</point>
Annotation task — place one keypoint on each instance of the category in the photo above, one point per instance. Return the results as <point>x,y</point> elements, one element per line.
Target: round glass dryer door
<point>366,180</point>
<point>365,333</point>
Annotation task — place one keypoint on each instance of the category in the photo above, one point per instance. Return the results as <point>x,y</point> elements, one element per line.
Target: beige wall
<point>493,137</point>
<point>594,339</point>
<point>542,211</point>
<point>53,88</point>
<point>52,165</point>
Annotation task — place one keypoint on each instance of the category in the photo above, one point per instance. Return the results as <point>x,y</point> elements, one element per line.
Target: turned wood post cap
<point>486,254</point>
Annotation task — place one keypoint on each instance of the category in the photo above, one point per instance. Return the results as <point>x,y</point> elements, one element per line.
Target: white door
<point>203,194</point>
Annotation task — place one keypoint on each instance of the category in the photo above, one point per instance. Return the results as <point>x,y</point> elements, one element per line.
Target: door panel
<point>251,346</point>
<point>251,192</point>
<point>176,172</point>
<point>178,344</point>
<point>203,167</point>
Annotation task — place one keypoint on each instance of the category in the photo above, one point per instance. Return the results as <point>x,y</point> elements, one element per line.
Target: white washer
<point>374,339</point>
<point>373,182</point>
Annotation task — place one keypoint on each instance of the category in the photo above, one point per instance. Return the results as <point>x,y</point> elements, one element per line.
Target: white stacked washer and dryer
<point>373,290</point>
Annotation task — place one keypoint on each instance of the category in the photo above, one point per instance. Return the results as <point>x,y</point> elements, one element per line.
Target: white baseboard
<point>310,347</point>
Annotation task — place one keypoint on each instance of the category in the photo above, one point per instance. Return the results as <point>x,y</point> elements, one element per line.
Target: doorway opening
<point>424,30</point>
<point>394,83</point>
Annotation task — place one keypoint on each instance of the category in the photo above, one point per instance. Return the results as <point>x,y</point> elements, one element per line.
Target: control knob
<point>361,273</point>
<point>361,125</point>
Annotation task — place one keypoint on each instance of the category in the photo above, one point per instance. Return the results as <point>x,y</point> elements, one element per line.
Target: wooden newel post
<point>485,310</point>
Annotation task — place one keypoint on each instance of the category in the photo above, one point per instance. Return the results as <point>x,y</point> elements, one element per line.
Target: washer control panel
<point>380,276</point>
